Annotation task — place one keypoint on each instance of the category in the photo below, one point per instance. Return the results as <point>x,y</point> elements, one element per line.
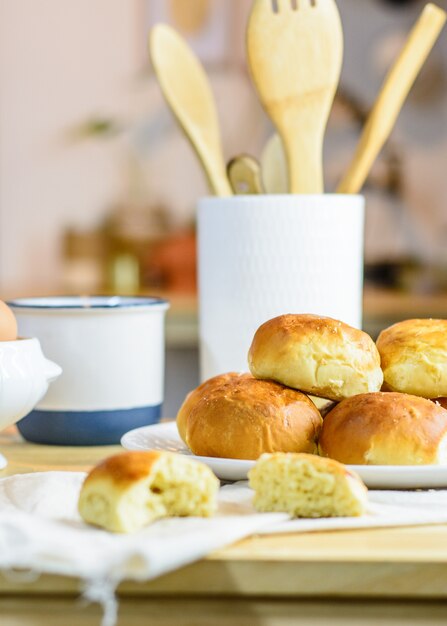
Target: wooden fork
<point>295,50</point>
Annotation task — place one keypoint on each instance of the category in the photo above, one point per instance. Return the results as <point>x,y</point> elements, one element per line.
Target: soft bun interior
<point>306,486</point>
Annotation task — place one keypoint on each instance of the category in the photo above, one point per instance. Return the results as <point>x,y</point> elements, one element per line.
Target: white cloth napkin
<point>41,531</point>
<point>386,509</point>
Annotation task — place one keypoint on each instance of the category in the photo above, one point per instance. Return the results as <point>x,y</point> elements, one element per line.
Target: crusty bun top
<point>194,396</point>
<point>414,357</point>
<point>125,467</point>
<point>317,355</point>
<point>237,416</point>
<point>385,429</point>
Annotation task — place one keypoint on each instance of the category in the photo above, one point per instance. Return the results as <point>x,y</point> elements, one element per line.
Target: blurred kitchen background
<point>98,187</point>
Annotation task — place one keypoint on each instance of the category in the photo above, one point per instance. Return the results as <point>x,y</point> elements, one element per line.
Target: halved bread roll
<point>127,491</point>
<point>305,485</point>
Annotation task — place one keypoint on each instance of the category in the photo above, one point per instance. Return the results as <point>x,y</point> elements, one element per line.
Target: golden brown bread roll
<point>197,394</point>
<point>385,428</point>
<point>414,357</point>
<point>317,355</point>
<point>236,416</point>
<point>323,405</point>
<point>305,485</point>
<point>129,490</point>
<point>192,398</point>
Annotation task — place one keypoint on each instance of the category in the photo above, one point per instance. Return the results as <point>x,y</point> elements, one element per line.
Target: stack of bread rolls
<point>245,415</point>
<point>389,408</point>
<point>400,425</point>
<point>383,393</point>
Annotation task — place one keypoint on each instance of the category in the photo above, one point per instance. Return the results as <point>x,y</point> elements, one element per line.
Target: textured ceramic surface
<point>263,256</point>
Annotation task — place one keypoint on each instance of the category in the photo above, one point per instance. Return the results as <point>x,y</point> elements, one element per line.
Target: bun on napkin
<point>414,357</point>
<point>236,416</point>
<point>317,355</point>
<point>306,485</point>
<point>127,491</point>
<point>385,429</point>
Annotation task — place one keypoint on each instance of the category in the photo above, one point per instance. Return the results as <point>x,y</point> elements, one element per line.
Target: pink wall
<point>60,61</point>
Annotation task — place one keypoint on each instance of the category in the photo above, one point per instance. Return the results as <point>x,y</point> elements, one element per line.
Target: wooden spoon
<point>244,174</point>
<point>274,166</point>
<point>295,50</point>
<point>186,88</point>
<point>392,96</point>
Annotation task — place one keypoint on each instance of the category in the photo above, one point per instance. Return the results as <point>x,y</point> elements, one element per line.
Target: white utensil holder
<point>267,255</point>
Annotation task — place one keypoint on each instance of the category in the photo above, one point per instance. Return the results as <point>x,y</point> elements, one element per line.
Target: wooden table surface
<point>377,576</point>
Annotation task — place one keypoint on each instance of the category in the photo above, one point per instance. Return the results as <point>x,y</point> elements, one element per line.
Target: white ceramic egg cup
<point>25,375</point>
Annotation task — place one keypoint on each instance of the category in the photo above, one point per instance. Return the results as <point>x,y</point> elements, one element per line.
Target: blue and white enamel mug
<point>112,353</point>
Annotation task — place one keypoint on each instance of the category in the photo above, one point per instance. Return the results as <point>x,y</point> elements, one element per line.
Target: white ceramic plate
<point>166,437</point>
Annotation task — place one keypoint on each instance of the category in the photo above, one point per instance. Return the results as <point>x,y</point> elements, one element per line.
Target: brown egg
<point>8,323</point>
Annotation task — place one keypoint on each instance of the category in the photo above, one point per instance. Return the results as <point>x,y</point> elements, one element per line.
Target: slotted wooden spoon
<point>392,96</point>
<point>295,51</point>
<point>187,90</point>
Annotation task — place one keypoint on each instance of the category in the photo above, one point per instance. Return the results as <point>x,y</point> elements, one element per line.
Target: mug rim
<point>87,303</point>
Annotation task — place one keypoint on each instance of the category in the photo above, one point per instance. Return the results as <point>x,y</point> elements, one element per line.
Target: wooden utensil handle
<point>304,161</point>
<point>212,162</point>
<point>392,96</point>
<point>216,176</point>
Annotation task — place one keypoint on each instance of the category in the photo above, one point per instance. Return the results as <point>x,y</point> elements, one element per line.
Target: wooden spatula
<point>392,96</point>
<point>188,93</point>
<point>295,51</point>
